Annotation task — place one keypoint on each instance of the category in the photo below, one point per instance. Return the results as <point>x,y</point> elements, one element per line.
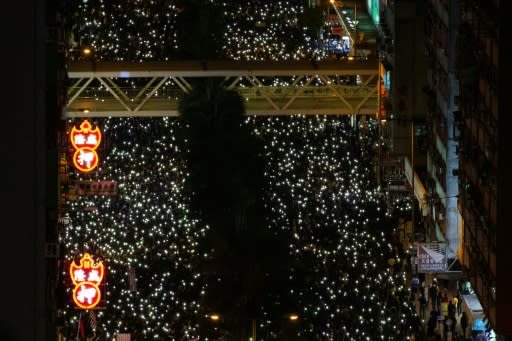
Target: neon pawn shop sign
<point>85,141</point>
<point>86,277</point>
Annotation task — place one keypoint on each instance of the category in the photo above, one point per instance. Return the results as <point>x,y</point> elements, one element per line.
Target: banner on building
<point>123,337</point>
<point>432,257</point>
<point>95,187</point>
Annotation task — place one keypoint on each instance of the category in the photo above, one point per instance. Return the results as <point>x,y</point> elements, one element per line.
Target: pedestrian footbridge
<point>123,89</point>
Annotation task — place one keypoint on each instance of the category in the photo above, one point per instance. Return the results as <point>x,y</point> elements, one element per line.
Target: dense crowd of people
<point>151,30</point>
<point>348,278</point>
<point>320,189</point>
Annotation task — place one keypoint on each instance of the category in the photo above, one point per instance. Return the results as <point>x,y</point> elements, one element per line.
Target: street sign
<point>85,141</point>
<point>432,257</point>
<point>87,277</point>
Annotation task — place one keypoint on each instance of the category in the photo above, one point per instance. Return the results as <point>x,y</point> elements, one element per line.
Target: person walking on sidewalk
<point>432,295</point>
<point>423,305</point>
<point>431,324</point>
<point>423,287</point>
<point>451,309</point>
<point>447,329</point>
<point>415,283</point>
<point>458,304</point>
<point>455,302</point>
<point>463,324</point>
<point>442,302</point>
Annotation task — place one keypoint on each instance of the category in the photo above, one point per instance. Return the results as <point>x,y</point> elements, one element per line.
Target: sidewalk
<point>448,288</point>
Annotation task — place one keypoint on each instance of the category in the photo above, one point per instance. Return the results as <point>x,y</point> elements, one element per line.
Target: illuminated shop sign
<point>383,94</point>
<point>85,141</point>
<point>86,278</point>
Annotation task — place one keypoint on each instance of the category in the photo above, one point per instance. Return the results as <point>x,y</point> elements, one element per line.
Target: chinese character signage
<point>85,141</point>
<point>383,95</point>
<point>432,257</point>
<point>101,187</point>
<point>86,278</point>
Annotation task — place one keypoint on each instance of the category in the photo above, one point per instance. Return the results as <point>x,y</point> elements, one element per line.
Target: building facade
<point>463,178</point>
<point>461,184</point>
<point>478,119</point>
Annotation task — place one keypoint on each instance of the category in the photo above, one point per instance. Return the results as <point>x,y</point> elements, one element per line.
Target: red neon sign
<point>86,277</point>
<point>85,141</point>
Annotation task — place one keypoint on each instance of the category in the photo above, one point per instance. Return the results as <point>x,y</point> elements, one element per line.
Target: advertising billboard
<point>432,257</point>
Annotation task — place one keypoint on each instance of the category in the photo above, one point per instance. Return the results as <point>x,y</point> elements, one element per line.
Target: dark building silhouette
<point>481,120</point>
<point>32,100</point>
<point>462,183</point>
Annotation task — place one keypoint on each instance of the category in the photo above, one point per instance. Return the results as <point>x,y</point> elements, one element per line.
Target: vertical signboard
<point>432,257</point>
<point>85,141</point>
<point>87,276</point>
<point>382,97</point>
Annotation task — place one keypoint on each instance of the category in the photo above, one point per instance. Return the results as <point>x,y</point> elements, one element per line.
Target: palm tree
<point>246,266</point>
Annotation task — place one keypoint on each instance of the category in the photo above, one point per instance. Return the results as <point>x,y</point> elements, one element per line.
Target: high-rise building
<point>441,90</point>
<point>402,105</point>
<point>480,122</point>
<point>461,187</point>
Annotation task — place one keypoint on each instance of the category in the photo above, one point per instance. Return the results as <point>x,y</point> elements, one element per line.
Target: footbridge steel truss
<point>121,89</point>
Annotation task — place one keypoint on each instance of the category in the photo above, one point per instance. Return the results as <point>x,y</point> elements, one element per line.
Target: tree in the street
<point>245,261</point>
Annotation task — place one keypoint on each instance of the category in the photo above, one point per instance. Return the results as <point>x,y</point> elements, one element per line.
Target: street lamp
<point>86,51</point>
<point>293,317</point>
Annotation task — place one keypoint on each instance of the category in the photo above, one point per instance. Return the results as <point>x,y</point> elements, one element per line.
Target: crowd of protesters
<point>440,309</point>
